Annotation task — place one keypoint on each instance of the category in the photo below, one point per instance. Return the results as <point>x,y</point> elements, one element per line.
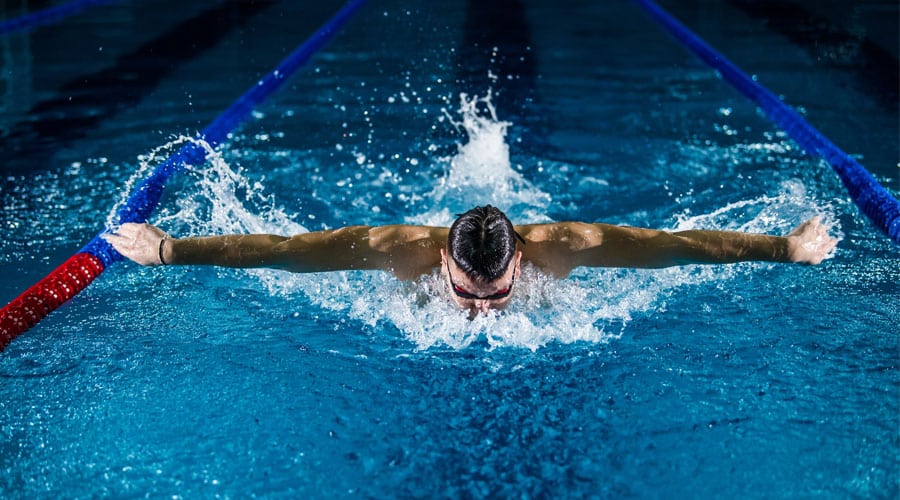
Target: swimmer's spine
<point>882,208</point>
<point>75,274</point>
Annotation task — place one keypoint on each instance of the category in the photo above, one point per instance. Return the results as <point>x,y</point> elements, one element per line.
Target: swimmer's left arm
<point>577,244</point>
<point>809,243</point>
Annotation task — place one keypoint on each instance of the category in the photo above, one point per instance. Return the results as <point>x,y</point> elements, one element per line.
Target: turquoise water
<point>752,380</point>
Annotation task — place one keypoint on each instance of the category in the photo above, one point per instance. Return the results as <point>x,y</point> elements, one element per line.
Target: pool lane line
<point>49,15</point>
<point>879,205</point>
<point>87,100</point>
<point>80,270</point>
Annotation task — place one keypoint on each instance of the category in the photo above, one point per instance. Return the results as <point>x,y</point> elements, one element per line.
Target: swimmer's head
<point>482,242</point>
<point>483,261</point>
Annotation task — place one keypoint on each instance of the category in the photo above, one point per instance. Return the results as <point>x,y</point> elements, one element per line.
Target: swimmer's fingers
<point>128,247</point>
<point>137,242</point>
<point>810,242</point>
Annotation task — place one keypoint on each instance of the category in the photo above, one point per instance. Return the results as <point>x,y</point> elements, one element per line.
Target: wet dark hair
<point>482,242</point>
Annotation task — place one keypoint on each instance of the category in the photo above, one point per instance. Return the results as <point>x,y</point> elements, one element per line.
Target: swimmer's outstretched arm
<point>407,251</point>
<point>564,246</point>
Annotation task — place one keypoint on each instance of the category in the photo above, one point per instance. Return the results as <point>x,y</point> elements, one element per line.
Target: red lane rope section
<point>73,276</point>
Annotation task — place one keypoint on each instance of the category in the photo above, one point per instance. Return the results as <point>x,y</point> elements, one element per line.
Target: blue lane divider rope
<point>49,15</point>
<point>882,208</point>
<point>146,195</point>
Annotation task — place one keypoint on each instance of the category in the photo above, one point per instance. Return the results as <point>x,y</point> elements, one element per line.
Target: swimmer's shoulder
<point>556,247</point>
<point>391,236</point>
<point>410,251</point>
<point>570,235</point>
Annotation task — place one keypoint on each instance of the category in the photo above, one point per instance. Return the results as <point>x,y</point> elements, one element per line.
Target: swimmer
<point>480,255</point>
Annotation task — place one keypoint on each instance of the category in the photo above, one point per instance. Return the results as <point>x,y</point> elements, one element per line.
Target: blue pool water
<point>752,380</point>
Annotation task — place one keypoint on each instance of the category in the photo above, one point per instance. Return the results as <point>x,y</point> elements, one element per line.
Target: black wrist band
<point>163,240</point>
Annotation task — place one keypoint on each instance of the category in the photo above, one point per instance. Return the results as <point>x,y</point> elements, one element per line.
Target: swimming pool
<point>753,380</point>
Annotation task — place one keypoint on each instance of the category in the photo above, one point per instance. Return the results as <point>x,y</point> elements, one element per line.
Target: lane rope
<point>76,273</point>
<point>49,15</point>
<point>879,205</point>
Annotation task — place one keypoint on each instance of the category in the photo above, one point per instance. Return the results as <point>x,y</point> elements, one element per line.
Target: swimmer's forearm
<point>236,250</point>
<point>334,250</point>
<point>724,247</point>
<point>623,246</point>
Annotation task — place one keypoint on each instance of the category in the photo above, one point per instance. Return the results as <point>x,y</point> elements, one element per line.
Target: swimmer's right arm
<point>405,250</point>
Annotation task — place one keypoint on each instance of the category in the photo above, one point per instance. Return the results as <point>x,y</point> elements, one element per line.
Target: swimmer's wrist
<point>166,253</point>
<point>794,251</point>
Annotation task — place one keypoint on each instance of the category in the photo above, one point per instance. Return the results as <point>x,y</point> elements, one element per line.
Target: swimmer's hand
<point>138,242</point>
<point>810,243</point>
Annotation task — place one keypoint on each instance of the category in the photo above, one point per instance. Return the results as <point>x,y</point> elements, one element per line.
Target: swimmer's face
<point>478,297</point>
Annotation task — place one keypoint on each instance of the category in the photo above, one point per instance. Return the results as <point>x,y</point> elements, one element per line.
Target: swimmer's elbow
<point>343,249</point>
<point>296,254</point>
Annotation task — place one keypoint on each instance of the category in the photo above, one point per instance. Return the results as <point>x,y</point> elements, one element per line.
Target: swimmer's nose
<point>482,306</point>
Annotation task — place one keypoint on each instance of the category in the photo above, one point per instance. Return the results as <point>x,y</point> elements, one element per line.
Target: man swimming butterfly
<point>480,255</point>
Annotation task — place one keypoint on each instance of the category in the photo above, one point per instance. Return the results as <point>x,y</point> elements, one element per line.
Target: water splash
<point>219,199</point>
<point>223,200</point>
<point>481,172</point>
<point>544,310</point>
<point>146,164</point>
<point>777,214</point>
